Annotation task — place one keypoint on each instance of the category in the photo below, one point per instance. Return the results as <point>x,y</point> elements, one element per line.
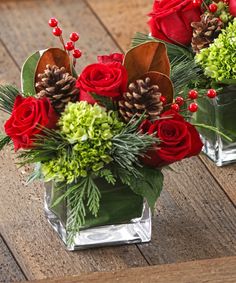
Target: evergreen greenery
<point>8,95</point>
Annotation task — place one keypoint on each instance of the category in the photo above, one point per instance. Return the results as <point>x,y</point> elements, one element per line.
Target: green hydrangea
<point>89,129</point>
<point>219,60</point>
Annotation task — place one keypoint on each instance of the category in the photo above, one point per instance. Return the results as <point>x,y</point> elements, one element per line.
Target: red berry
<point>175,107</point>
<point>69,46</point>
<point>74,36</point>
<point>57,31</point>
<point>213,8</point>
<point>193,94</point>
<point>193,107</point>
<point>197,3</point>
<point>226,2</point>
<point>211,93</point>
<point>163,99</point>
<point>53,22</point>
<point>77,53</point>
<point>179,100</point>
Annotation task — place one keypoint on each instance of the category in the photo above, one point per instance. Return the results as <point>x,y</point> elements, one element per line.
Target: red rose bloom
<point>27,114</point>
<point>114,57</point>
<point>179,139</point>
<point>108,79</point>
<point>232,7</point>
<point>171,20</point>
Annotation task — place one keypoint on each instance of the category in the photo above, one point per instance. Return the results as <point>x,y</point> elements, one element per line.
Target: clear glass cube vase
<point>220,113</point>
<point>123,218</point>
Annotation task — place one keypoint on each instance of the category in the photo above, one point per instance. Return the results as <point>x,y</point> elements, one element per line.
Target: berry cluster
<point>70,45</point>
<point>192,95</point>
<point>213,7</point>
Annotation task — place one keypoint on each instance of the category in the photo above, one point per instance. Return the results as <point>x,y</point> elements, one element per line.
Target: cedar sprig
<point>4,140</point>
<point>84,193</point>
<point>130,144</point>
<point>184,70</point>
<point>8,95</point>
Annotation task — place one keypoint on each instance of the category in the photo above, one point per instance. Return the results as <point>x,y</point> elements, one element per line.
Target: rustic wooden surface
<point>195,215</point>
<point>211,271</point>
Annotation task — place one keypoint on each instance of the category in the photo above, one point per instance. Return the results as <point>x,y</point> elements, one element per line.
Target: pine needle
<point>8,95</point>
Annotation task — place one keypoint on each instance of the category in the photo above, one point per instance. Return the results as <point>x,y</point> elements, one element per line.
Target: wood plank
<point>124,18</point>
<point>225,176</point>
<point>193,219</point>
<point>211,271</point>
<point>23,225</point>
<point>132,18</point>
<point>9,269</point>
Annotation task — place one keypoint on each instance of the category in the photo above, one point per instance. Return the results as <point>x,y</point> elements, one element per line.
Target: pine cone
<point>141,97</point>
<point>58,85</point>
<point>205,31</point>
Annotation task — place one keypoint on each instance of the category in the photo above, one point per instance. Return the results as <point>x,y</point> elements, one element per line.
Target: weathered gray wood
<point>220,270</point>
<point>9,269</point>
<point>38,250</point>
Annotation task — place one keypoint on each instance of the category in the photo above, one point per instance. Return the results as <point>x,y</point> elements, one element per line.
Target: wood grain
<point>193,218</point>
<point>124,18</point>
<point>23,225</point>
<point>225,176</point>
<point>211,271</point>
<point>9,269</point>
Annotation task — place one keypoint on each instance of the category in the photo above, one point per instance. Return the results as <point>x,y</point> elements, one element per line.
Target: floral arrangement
<point>200,36</point>
<point>115,121</point>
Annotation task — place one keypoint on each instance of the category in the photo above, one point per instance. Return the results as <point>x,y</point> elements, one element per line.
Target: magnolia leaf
<point>28,74</point>
<point>146,57</point>
<point>149,185</point>
<point>164,83</point>
<point>53,56</point>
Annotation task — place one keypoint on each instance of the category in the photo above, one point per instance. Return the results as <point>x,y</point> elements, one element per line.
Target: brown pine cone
<point>205,31</point>
<point>58,85</point>
<point>141,97</point>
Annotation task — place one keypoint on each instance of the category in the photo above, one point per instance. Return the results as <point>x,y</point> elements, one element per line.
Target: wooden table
<point>195,215</point>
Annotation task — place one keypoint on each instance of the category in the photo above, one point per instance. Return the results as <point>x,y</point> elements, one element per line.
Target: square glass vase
<point>220,113</point>
<point>123,218</point>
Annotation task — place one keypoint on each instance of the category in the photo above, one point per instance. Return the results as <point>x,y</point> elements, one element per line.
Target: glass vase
<point>220,113</point>
<point>123,218</point>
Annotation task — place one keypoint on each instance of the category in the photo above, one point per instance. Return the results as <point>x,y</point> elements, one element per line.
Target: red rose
<point>179,139</point>
<point>114,57</point>
<point>232,7</point>
<point>171,20</point>
<point>27,114</point>
<point>108,79</point>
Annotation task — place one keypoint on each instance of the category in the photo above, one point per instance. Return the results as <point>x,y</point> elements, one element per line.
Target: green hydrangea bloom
<point>89,129</point>
<point>219,60</point>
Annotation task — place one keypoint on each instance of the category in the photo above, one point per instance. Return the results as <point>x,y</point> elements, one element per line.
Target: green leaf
<point>4,140</point>
<point>228,81</point>
<point>8,95</point>
<point>28,74</point>
<point>149,185</point>
<point>105,101</point>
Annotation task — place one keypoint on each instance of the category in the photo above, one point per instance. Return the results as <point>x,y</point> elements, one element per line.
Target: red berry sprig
<point>70,45</point>
<point>175,107</point>
<point>193,94</point>
<point>213,8</point>
<point>74,36</point>
<point>53,22</point>
<point>197,3</point>
<point>179,100</point>
<point>163,99</point>
<point>211,93</point>
<point>193,107</point>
